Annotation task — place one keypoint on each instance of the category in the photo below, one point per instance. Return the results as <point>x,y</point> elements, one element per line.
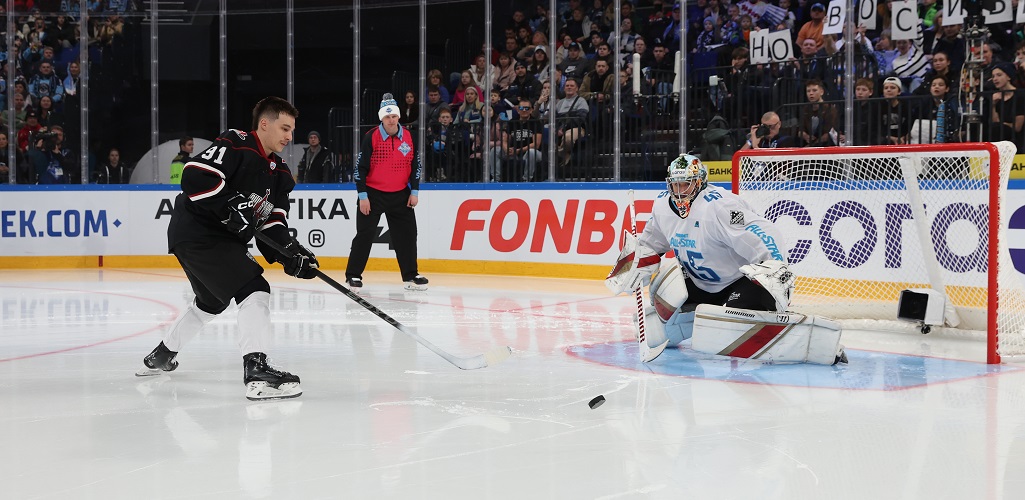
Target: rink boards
<point>564,230</point>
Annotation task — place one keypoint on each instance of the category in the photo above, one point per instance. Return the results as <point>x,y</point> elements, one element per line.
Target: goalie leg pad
<point>765,335</point>
<point>680,327</point>
<point>668,289</point>
<point>654,329</point>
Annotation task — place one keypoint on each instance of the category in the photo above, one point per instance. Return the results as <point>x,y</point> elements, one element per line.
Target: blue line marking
<point>866,370</point>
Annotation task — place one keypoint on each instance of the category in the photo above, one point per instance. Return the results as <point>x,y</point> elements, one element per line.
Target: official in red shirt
<point>387,176</point>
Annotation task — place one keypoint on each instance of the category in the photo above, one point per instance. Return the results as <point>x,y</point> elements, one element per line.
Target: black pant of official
<point>401,226</point>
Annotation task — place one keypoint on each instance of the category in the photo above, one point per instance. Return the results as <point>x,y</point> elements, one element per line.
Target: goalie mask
<point>685,178</point>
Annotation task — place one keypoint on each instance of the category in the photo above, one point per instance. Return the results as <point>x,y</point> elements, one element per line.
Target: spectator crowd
<point>46,89</point>
<point>905,91</point>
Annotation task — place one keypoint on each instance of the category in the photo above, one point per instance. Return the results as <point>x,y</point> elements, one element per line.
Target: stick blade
<point>497,355</point>
<point>490,358</point>
<point>649,355</point>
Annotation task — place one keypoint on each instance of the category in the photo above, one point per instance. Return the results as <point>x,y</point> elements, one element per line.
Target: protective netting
<point>855,220</point>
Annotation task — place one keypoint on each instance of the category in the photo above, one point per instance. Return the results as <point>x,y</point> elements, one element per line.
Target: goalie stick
<point>490,358</point>
<point>647,353</point>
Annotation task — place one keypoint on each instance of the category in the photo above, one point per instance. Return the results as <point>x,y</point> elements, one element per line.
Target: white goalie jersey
<point>721,233</point>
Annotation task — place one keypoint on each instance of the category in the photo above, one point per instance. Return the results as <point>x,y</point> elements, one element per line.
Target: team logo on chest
<point>405,149</point>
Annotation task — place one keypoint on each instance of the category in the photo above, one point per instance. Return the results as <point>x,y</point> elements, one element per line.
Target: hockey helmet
<point>685,178</point>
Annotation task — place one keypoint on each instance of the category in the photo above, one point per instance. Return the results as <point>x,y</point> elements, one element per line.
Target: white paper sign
<point>759,47</point>
<point>953,12</point>
<point>1001,12</point>
<point>836,16</point>
<point>905,20</point>
<point>780,46</point>
<point>867,14</point>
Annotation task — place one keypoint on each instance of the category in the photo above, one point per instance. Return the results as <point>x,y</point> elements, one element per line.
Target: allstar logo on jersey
<point>405,149</point>
<point>736,217</point>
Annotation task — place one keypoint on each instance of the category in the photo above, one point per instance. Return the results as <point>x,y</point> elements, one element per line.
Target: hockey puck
<point>596,402</point>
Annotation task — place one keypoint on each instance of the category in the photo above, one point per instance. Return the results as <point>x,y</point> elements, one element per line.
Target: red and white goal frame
<point>863,223</point>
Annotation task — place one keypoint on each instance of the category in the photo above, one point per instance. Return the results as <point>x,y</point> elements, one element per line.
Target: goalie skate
<point>266,382</point>
<point>159,361</point>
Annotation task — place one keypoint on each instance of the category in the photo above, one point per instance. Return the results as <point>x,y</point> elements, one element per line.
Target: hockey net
<point>856,218</point>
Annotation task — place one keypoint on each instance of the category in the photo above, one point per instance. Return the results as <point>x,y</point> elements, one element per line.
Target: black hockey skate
<point>417,283</point>
<point>355,284</point>
<point>266,382</point>
<point>159,361</point>
<point>841,357</point>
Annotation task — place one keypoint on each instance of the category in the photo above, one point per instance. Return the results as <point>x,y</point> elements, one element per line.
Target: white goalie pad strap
<point>765,335</point>
<point>668,289</point>
<point>634,266</point>
<point>775,277</point>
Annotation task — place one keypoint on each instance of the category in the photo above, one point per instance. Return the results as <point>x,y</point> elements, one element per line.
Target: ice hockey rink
<point>911,416</point>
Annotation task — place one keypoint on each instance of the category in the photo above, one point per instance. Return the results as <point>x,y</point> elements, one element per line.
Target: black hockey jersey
<point>235,163</point>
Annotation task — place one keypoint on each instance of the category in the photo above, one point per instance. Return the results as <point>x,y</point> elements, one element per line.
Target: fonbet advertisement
<point>834,230</point>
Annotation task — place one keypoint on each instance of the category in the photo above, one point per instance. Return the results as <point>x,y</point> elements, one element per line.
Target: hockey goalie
<point>728,287</point>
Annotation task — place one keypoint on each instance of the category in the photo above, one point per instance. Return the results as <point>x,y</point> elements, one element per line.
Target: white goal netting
<point>864,223</point>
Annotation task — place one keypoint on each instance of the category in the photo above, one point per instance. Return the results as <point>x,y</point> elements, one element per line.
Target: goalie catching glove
<point>299,261</point>
<point>634,266</point>
<point>775,277</point>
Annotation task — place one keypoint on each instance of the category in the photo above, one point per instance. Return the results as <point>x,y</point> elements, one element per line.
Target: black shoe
<point>159,360</point>
<point>417,283</point>
<point>354,284</point>
<point>266,382</point>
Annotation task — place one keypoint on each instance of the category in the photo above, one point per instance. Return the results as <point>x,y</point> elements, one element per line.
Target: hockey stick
<point>490,358</point>
<point>647,353</point>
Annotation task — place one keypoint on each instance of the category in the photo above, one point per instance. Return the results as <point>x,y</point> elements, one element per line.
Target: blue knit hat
<point>388,106</point>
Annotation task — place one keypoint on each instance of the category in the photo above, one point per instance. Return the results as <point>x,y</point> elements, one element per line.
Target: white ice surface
<point>382,417</point>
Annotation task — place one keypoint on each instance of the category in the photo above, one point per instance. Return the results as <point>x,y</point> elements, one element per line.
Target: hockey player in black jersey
<point>237,186</point>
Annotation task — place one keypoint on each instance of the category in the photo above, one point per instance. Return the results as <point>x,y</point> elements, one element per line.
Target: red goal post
<point>863,223</point>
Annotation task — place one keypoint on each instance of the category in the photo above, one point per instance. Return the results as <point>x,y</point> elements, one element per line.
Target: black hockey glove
<point>298,261</point>
<point>241,217</point>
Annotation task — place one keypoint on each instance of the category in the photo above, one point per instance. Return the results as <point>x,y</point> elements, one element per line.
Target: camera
<point>713,81</point>
<point>762,131</point>
<point>49,139</point>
